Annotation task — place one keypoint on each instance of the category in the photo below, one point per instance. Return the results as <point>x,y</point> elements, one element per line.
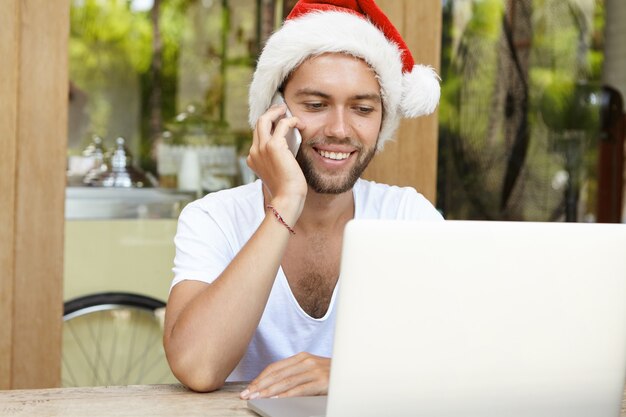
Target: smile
<point>337,156</point>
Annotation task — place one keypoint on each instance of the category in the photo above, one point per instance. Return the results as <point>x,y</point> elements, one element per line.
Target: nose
<point>337,124</point>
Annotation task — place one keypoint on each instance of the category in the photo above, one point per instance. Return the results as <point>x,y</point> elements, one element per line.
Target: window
<point>163,72</point>
<point>526,110</point>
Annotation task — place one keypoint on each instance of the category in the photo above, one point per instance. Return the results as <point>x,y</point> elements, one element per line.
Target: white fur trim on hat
<point>316,33</point>
<point>420,92</point>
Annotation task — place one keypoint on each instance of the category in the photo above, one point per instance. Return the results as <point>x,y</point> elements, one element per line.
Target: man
<point>257,267</point>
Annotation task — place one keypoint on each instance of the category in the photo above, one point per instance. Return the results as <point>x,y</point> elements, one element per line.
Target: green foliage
<point>568,105</point>
<point>486,19</point>
<point>108,41</point>
<point>565,58</point>
<point>111,65</point>
<point>108,36</point>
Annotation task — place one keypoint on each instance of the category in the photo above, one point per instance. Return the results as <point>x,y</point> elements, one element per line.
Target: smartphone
<point>294,139</point>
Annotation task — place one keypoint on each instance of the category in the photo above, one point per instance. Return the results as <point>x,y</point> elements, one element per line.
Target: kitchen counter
<point>96,203</point>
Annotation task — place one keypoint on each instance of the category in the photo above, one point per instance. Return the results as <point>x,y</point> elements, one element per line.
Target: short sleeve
<point>202,249</point>
<point>415,206</point>
<point>390,202</point>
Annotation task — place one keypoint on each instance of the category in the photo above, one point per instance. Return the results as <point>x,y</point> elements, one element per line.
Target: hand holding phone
<point>294,139</point>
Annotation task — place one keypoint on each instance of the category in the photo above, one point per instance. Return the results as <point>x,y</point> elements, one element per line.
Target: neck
<point>326,211</point>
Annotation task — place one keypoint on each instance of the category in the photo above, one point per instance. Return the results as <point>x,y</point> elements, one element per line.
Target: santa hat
<point>355,27</point>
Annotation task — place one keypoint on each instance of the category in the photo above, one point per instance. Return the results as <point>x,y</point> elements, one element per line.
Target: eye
<point>314,105</point>
<point>364,109</point>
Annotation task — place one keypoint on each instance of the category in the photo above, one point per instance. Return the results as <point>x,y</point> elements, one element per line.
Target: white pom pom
<point>421,91</point>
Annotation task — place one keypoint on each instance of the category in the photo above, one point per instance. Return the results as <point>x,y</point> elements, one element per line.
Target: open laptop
<point>475,319</point>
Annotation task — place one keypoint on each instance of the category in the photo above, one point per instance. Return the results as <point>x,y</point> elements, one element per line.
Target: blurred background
<point>530,127</point>
<point>530,123</point>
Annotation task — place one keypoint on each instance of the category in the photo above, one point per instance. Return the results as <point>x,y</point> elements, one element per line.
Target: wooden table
<point>118,401</point>
<point>134,400</point>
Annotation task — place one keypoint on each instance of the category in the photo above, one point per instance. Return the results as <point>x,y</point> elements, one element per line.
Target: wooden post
<point>33,125</point>
<point>8,150</point>
<point>412,158</point>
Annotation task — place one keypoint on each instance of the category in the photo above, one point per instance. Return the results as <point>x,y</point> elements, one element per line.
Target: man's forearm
<point>208,330</point>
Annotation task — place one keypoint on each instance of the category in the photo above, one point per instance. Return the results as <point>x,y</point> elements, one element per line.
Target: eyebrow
<point>310,92</point>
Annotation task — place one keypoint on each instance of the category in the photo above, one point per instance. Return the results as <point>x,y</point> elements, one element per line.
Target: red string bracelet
<point>280,218</point>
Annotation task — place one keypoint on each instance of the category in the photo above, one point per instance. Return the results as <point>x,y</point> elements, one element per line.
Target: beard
<point>336,183</point>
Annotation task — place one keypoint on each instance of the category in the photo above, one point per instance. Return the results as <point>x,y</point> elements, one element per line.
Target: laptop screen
<point>480,318</point>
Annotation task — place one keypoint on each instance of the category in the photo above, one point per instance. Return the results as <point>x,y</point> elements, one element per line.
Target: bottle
<point>121,172</point>
<point>189,172</point>
<point>96,152</point>
<point>166,161</point>
<point>118,176</point>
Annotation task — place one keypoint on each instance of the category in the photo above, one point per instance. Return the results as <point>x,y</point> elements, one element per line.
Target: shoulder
<point>371,192</point>
<point>244,197</point>
<point>212,230</point>
<point>238,207</point>
<point>385,201</point>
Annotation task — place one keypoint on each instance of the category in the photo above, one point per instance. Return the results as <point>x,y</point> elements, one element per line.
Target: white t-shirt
<point>212,230</point>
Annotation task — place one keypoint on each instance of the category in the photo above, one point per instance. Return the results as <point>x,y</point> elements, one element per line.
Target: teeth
<point>334,155</point>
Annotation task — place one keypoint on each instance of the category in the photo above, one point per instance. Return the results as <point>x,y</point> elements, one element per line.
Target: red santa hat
<point>358,28</point>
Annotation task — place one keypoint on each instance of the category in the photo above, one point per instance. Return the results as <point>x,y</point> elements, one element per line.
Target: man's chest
<point>312,274</point>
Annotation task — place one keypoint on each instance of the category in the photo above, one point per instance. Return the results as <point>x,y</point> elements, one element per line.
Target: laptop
<point>469,318</point>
